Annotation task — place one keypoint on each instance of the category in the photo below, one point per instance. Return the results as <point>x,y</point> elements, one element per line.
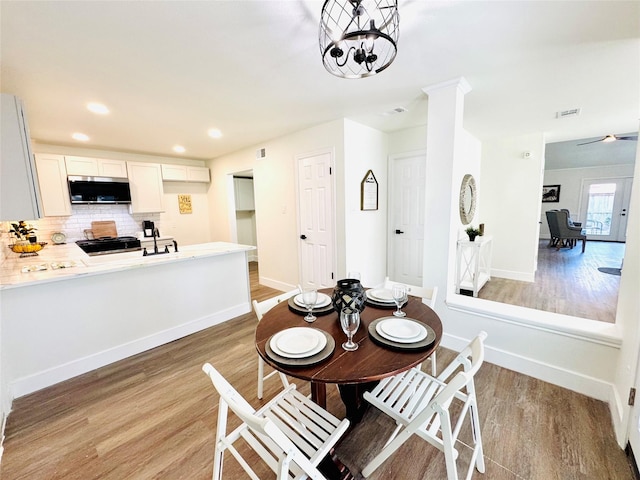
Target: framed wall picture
<point>184,204</point>
<point>551,193</point>
<point>369,192</point>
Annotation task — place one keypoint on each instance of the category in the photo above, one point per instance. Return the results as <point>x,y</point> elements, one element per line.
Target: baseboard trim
<point>271,283</point>
<point>577,382</point>
<point>60,373</point>
<point>510,275</point>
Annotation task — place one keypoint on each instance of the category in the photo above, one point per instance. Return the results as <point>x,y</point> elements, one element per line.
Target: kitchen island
<point>64,313</point>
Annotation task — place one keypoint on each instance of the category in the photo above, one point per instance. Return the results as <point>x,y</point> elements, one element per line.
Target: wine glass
<point>350,321</point>
<point>309,298</point>
<point>354,275</point>
<point>400,297</point>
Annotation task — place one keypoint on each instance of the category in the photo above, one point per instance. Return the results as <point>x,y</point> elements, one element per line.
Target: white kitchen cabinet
<point>91,167</point>
<point>19,192</point>
<point>145,181</point>
<point>185,173</point>
<point>54,189</point>
<point>243,189</point>
<point>473,264</point>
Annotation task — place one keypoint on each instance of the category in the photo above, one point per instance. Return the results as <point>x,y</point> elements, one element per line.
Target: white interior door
<point>406,219</point>
<point>604,208</point>
<point>634,419</point>
<point>317,237</point>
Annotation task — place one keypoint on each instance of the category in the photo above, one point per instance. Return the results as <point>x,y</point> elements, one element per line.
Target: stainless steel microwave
<point>99,189</point>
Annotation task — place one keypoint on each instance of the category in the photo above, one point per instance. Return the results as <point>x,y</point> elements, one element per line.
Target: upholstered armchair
<point>562,233</point>
<point>571,222</point>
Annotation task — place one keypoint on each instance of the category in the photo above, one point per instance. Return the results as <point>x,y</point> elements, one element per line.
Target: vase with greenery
<point>23,231</point>
<point>472,232</point>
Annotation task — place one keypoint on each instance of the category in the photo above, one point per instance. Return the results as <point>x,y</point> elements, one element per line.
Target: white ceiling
<point>171,70</point>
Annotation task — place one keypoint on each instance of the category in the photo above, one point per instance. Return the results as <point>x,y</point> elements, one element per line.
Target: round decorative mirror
<point>467,199</point>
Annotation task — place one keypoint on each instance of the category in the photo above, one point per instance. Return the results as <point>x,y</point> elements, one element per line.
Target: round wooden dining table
<point>353,371</point>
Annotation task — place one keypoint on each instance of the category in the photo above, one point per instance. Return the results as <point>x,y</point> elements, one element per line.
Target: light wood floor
<point>153,416</point>
<point>566,282</point>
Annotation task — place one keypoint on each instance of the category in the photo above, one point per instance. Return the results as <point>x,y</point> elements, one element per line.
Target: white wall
<point>510,196</point>
<point>274,179</point>
<point>365,149</point>
<point>570,181</point>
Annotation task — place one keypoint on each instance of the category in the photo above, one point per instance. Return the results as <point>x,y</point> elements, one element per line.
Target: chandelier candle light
<point>358,38</point>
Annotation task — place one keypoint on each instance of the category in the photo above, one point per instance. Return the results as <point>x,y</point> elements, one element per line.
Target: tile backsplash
<point>73,227</point>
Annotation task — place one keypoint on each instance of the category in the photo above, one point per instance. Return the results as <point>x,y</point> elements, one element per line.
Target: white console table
<point>473,264</point>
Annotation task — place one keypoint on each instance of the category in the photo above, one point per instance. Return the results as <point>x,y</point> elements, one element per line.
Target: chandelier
<point>358,38</point>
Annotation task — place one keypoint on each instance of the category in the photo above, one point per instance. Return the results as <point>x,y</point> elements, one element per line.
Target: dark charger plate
<point>306,361</point>
<point>385,342</point>
<point>318,312</point>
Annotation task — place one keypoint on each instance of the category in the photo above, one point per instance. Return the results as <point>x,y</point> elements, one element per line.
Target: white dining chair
<point>291,434</point>
<point>261,308</point>
<point>429,296</point>
<point>421,404</point>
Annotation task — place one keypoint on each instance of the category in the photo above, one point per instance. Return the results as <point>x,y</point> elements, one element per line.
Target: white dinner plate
<point>382,295</point>
<point>298,342</point>
<point>322,301</point>
<point>401,330</point>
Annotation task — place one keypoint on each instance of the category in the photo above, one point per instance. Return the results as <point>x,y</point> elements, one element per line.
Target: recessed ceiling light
<point>215,133</point>
<point>179,149</point>
<point>81,137</point>
<point>98,108</point>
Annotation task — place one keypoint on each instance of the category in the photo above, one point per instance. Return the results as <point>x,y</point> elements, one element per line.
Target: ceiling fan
<point>611,138</point>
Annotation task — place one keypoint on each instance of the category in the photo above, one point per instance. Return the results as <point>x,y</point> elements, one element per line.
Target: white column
<point>444,173</point>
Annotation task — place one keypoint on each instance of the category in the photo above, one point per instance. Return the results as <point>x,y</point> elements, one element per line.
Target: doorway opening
<point>245,212</point>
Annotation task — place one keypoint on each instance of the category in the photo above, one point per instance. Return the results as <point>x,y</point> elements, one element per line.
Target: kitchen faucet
<point>156,235</point>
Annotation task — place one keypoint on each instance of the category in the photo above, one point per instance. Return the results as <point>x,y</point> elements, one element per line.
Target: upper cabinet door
<point>91,167</point>
<point>198,174</point>
<point>54,188</point>
<point>184,173</point>
<point>145,181</point>
<point>112,168</point>
<point>174,173</point>
<point>19,192</point>
<point>87,167</point>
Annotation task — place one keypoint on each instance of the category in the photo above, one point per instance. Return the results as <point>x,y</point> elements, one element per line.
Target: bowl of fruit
<point>27,249</point>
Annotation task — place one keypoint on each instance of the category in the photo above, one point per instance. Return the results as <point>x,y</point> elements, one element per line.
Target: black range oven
<point>101,246</point>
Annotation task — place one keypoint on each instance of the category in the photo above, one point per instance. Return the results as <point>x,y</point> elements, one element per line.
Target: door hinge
<point>329,170</point>
<point>632,396</point>
<point>331,275</point>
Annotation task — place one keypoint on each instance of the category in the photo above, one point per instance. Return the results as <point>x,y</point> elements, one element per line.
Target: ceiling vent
<point>574,112</point>
<point>261,153</point>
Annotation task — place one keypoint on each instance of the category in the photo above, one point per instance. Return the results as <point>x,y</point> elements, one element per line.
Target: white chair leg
<point>283,379</point>
<point>449,451</point>
<point>260,377</point>
<point>477,436</point>
<point>433,364</point>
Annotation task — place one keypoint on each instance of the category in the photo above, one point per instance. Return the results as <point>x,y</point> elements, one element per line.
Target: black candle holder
<point>348,294</point>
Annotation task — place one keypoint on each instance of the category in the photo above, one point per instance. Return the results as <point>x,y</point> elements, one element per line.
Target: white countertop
<point>76,263</point>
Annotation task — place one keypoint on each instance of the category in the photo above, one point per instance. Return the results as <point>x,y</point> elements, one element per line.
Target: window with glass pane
<point>600,208</point>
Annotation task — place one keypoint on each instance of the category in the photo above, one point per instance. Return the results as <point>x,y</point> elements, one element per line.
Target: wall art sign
<point>369,192</point>
<point>184,203</point>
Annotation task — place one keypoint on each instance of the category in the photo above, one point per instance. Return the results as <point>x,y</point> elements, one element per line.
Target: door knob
<point>303,237</point>
<point>398,232</point>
